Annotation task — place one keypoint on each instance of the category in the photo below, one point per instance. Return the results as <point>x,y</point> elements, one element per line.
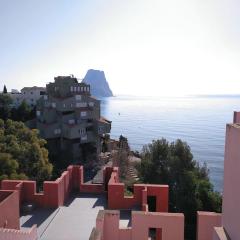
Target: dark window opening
<point>151,200</point>
<point>67,112</point>
<point>89,128</point>
<point>155,234</point>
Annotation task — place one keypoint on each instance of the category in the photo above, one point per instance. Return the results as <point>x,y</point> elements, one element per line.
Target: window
<point>67,112</point>
<point>71,121</point>
<point>71,89</point>
<point>83,114</point>
<point>81,89</point>
<point>38,113</point>
<point>81,104</point>
<point>54,105</point>
<point>82,131</point>
<point>78,89</point>
<point>31,92</point>
<point>75,89</point>
<point>64,105</point>
<point>91,104</point>
<point>57,131</point>
<point>84,138</point>
<point>101,129</point>
<point>45,97</point>
<point>78,97</point>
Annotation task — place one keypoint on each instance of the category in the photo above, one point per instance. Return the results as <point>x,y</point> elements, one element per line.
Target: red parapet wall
<point>117,200</point>
<point>12,234</point>
<point>9,209</point>
<point>236,117</point>
<point>54,194</point>
<point>90,187</point>
<point>170,224</point>
<point>206,221</point>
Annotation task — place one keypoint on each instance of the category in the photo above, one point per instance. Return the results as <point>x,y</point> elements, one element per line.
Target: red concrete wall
<point>13,185</point>
<point>236,117</point>
<point>54,194</point>
<point>206,221</point>
<point>9,209</point>
<point>89,187</point>
<point>111,225</point>
<point>172,225</point>
<point>107,173</point>
<point>161,193</point>
<point>125,234</point>
<point>12,234</point>
<point>117,200</point>
<point>231,192</point>
<point>75,176</point>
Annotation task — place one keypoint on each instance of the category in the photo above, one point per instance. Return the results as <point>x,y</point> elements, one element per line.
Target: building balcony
<point>48,131</point>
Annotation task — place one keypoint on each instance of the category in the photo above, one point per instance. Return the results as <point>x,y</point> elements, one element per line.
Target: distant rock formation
<point>98,83</point>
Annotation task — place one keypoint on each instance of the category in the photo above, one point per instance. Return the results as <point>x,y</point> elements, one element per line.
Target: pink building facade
<point>168,226</point>
<point>212,226</point>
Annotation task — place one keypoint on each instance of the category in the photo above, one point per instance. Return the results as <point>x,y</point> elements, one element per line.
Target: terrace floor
<point>73,221</point>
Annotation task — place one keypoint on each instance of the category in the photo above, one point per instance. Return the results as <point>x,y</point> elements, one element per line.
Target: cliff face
<point>98,83</point>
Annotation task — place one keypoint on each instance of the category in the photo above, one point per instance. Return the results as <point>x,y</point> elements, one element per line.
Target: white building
<point>28,94</point>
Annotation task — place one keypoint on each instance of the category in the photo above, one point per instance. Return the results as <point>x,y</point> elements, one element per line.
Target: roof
<point>104,120</point>
<point>34,88</point>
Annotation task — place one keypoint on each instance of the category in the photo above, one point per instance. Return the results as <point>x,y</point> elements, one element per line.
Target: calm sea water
<point>200,121</point>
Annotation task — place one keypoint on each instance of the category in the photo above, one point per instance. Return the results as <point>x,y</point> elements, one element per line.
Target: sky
<point>145,47</point>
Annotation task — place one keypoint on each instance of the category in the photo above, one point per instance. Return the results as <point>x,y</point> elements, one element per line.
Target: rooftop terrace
<point>70,208</point>
<point>74,220</point>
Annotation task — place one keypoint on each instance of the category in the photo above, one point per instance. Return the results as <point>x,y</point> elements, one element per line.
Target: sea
<point>198,120</point>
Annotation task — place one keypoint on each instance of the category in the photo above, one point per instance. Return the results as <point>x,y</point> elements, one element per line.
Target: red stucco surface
<point>9,209</point>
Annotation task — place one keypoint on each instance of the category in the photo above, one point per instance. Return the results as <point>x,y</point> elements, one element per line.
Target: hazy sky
<point>145,47</point>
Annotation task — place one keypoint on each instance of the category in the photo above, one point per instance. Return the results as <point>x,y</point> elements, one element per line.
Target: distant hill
<point>98,83</point>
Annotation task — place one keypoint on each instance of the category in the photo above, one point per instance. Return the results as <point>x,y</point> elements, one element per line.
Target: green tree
<point>5,106</point>
<point>4,89</point>
<point>23,113</point>
<point>23,154</point>
<point>189,187</point>
<point>9,167</point>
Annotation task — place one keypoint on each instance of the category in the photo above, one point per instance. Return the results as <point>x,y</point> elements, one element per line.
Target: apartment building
<point>69,117</point>
<point>28,94</point>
